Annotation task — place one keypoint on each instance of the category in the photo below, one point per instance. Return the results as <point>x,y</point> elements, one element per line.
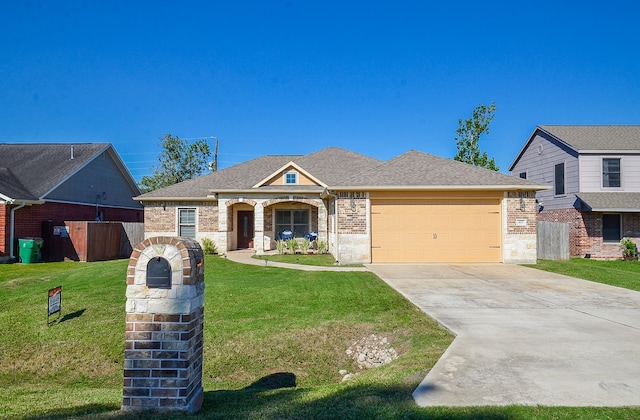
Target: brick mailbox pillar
<point>165,315</point>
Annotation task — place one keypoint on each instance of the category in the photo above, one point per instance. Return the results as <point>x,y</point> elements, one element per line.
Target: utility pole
<point>215,158</point>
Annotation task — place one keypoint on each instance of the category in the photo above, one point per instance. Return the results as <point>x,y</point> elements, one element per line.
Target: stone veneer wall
<point>353,236</point>
<point>519,234</point>
<point>164,329</point>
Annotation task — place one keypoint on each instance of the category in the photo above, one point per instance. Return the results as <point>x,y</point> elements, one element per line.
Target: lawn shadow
<point>276,397</point>
<point>72,315</point>
<point>274,381</point>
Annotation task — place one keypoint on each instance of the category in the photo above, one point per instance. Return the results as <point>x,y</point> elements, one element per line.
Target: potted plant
<point>629,250</point>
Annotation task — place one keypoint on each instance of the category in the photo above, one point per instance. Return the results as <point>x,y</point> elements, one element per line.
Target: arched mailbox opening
<point>159,273</point>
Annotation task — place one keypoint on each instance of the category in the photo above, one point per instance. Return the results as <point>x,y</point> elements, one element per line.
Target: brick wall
<point>208,217</point>
<point>268,219</point>
<point>4,229</point>
<point>159,218</point>
<point>585,231</point>
<point>352,213</point>
<point>631,226</point>
<point>524,209</point>
<point>162,353</point>
<point>28,220</point>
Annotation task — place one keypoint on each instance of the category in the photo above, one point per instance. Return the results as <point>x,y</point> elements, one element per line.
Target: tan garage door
<point>436,230</point>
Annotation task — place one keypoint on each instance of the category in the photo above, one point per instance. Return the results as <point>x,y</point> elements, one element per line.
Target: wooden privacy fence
<point>91,241</point>
<point>553,240</point>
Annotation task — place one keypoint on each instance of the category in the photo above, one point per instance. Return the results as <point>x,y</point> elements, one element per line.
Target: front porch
<point>257,223</point>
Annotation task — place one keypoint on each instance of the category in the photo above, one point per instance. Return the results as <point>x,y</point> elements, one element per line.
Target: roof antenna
<point>72,153</point>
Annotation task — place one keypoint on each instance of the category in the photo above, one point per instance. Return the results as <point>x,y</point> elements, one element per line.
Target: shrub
<point>292,244</point>
<point>305,244</point>
<point>322,247</point>
<point>280,246</point>
<point>628,248</point>
<point>209,247</point>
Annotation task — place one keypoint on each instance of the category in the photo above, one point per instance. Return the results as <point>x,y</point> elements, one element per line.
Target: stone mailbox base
<point>164,329</point>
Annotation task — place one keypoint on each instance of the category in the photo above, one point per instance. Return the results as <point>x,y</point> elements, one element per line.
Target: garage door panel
<point>436,230</point>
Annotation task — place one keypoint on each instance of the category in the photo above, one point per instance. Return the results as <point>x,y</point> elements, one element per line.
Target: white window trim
<point>602,187</point>
<point>195,220</point>
<point>295,174</point>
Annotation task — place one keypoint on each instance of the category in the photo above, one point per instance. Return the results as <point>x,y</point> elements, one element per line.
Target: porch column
<point>223,223</point>
<point>258,228</point>
<point>322,222</point>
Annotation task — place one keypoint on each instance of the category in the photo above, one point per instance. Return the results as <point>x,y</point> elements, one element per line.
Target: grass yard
<point>323,260</point>
<point>615,273</point>
<point>262,324</point>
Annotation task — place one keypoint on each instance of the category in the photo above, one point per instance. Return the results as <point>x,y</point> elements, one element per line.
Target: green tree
<point>468,137</point>
<point>179,161</point>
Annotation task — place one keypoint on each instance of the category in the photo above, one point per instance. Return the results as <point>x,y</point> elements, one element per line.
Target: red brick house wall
<point>585,231</point>
<point>4,228</point>
<point>28,220</point>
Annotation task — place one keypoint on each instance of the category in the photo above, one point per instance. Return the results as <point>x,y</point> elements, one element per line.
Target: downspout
<point>11,228</point>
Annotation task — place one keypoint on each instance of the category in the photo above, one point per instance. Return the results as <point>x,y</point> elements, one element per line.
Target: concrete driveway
<point>524,336</point>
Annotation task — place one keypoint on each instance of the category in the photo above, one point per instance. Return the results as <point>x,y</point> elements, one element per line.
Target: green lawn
<point>615,273</point>
<point>261,323</point>
<point>323,260</point>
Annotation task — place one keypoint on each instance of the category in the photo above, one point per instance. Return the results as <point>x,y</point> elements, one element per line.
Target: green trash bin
<point>30,249</point>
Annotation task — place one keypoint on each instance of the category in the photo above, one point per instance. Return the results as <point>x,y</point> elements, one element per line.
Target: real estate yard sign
<point>55,301</point>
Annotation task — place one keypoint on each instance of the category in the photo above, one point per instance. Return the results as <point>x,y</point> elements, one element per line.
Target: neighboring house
<point>414,208</point>
<point>594,175</point>
<point>41,184</point>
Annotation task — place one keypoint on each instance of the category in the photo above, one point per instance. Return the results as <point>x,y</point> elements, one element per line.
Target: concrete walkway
<point>524,336</point>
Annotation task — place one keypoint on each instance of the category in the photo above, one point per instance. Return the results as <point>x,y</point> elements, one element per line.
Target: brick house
<point>413,208</point>
<point>594,175</point>
<point>42,184</point>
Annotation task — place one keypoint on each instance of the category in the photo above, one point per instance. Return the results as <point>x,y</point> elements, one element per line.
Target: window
<point>290,178</point>
<point>297,221</point>
<point>611,172</point>
<point>187,223</point>
<point>559,179</point>
<point>523,175</point>
<point>611,228</point>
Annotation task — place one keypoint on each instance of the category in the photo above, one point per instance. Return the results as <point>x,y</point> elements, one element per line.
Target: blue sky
<point>293,77</point>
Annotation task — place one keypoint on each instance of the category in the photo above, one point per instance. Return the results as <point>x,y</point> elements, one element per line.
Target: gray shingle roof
<point>41,167</point>
<point>418,169</point>
<point>241,177</point>
<point>333,165</point>
<point>611,201</point>
<point>597,137</point>
<point>340,168</point>
<point>11,187</point>
<point>327,165</point>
